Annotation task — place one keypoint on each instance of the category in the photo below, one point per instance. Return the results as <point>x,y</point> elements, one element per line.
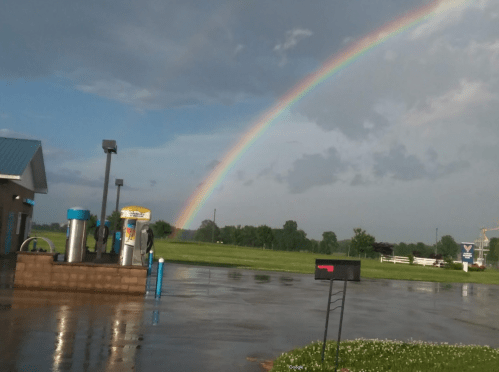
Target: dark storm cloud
<point>72,177</point>
<point>155,54</point>
<point>400,165</point>
<point>314,170</point>
<point>420,69</point>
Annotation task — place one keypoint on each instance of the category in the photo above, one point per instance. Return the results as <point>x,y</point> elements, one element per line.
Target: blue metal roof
<point>16,154</point>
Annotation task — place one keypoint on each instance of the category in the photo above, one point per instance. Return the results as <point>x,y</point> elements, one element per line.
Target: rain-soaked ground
<point>225,319</point>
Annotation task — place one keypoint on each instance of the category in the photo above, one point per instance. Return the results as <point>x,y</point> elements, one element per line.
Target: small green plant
<point>451,265</point>
<point>411,259</point>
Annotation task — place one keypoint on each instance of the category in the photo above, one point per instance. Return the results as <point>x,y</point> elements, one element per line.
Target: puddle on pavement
<point>286,280</point>
<point>262,278</point>
<point>234,275</point>
<point>62,331</point>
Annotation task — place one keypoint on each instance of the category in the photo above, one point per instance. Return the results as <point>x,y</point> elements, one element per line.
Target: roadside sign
<point>344,270</point>
<point>337,270</point>
<point>467,250</point>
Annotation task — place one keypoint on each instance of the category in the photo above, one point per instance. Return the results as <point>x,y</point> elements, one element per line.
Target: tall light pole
<point>109,147</point>
<point>436,241</point>
<point>213,230</point>
<point>118,182</point>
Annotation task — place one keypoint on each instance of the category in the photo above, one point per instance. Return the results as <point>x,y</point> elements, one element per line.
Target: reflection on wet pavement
<point>218,319</point>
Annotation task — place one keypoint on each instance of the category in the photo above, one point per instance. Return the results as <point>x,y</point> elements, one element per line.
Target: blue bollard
<point>155,317</point>
<point>149,268</point>
<point>159,279</point>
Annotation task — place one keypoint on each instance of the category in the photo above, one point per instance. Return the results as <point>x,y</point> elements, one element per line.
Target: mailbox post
<point>331,270</point>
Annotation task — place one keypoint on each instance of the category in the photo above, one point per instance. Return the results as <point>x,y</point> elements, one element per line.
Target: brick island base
<point>41,271</point>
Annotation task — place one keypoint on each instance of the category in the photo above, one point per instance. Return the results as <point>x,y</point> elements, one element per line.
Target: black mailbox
<point>337,270</point>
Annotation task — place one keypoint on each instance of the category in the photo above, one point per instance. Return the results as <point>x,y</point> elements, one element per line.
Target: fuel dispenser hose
<point>150,239</point>
<point>96,233</point>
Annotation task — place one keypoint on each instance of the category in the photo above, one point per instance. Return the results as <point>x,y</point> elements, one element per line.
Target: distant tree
<point>161,229</point>
<point>248,236</point>
<point>361,243</point>
<point>344,246</point>
<point>424,249</point>
<point>493,254</point>
<point>278,242</point>
<point>448,246</point>
<point>402,249</point>
<point>91,224</point>
<point>301,242</point>
<point>329,243</point>
<point>291,238</point>
<point>383,248</point>
<point>265,236</point>
<point>114,221</point>
<point>228,235</point>
<point>207,231</point>
<point>412,249</point>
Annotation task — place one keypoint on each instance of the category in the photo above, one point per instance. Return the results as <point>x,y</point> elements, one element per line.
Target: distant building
<point>22,174</point>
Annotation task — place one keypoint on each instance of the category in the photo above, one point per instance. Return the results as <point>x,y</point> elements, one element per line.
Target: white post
<point>465,266</point>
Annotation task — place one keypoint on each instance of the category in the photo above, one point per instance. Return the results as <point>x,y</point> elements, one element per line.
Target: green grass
<point>304,262</point>
<point>207,254</point>
<point>375,355</point>
<point>59,240</point>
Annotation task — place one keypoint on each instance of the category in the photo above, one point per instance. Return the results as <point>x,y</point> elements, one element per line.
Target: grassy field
<point>59,240</point>
<point>298,262</point>
<point>375,355</point>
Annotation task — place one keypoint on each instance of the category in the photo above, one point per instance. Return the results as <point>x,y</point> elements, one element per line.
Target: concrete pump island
<point>122,270</point>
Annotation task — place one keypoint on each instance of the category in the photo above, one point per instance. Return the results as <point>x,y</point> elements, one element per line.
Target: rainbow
<point>336,63</point>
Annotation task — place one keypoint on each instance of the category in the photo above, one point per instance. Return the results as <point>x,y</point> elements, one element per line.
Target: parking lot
<point>225,319</point>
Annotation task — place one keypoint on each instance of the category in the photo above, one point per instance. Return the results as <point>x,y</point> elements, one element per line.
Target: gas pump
<point>107,224</point>
<point>76,235</point>
<point>137,237</point>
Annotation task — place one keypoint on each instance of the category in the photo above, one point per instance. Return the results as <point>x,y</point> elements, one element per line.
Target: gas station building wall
<point>22,174</point>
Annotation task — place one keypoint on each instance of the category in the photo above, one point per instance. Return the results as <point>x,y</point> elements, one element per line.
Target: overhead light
<point>15,197</point>
<point>109,146</point>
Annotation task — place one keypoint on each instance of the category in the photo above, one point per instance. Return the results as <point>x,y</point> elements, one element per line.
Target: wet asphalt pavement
<point>225,319</point>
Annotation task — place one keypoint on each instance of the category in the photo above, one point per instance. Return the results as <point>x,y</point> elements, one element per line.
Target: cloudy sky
<point>401,142</point>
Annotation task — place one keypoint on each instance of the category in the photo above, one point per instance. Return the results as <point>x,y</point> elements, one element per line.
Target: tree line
<point>291,238</point>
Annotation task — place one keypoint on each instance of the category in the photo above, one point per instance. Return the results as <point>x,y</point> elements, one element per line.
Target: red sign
<point>329,268</point>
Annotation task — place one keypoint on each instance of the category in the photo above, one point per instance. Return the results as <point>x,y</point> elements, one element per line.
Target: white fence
<point>417,260</point>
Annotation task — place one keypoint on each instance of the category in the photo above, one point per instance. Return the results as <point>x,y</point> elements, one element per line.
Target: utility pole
<point>109,147</point>
<point>436,241</point>
<point>213,230</point>
<point>118,182</point>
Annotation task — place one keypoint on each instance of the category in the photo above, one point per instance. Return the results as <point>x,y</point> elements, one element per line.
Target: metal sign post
<point>344,270</point>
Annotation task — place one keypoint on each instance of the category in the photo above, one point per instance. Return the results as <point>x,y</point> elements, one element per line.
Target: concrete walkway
<point>222,319</point>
